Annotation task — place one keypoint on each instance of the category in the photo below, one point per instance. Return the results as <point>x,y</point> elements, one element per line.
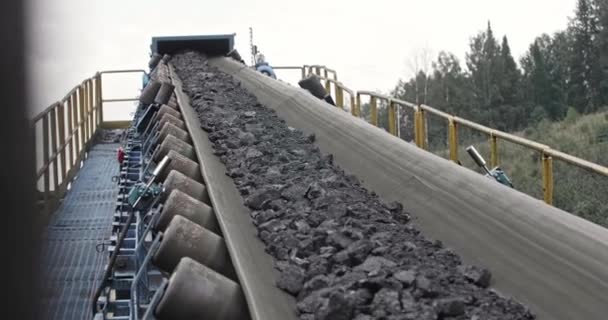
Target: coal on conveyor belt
<point>341,251</point>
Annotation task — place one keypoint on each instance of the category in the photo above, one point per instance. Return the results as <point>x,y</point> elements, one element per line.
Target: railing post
<point>392,115</point>
<point>53,113</point>
<point>357,109</point>
<point>99,100</point>
<point>303,71</point>
<point>373,110</point>
<point>353,104</point>
<point>453,139</point>
<point>420,128</point>
<point>83,133</point>
<point>328,86</point>
<point>547,166</point>
<point>339,96</point>
<point>325,73</point>
<point>90,112</point>
<point>493,150</point>
<point>61,123</point>
<point>45,160</point>
<point>70,144</point>
<point>317,71</point>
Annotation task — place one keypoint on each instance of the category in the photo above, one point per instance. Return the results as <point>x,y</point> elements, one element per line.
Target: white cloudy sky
<point>368,42</point>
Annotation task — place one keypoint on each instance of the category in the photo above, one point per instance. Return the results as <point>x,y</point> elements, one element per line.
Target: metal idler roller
<point>184,238</point>
<point>177,180</point>
<point>166,58</point>
<point>181,164</point>
<point>173,101</point>
<point>169,118</point>
<point>172,143</point>
<point>197,292</point>
<point>166,109</point>
<point>164,93</point>
<point>149,92</point>
<point>179,203</point>
<point>170,128</point>
<point>154,60</point>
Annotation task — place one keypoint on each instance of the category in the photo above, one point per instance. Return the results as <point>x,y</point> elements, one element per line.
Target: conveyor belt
<point>550,260</point>
<point>72,265</point>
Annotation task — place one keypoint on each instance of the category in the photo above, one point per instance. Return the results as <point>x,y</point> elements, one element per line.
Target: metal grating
<point>71,264</point>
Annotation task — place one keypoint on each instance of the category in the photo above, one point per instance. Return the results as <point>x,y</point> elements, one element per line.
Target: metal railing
<point>66,131</point>
<point>546,153</point>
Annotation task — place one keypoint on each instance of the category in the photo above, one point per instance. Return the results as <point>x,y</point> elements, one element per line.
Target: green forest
<point>556,93</point>
<point>568,69</point>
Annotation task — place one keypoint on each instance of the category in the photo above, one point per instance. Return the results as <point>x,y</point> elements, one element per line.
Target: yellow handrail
<point>68,127</point>
<point>547,154</point>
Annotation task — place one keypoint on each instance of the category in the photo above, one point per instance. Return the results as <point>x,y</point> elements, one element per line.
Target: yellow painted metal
<point>357,109</point>
<point>98,96</point>
<point>339,97</point>
<point>417,127</point>
<point>115,124</point>
<point>77,129</point>
<point>81,115</point>
<point>453,139</point>
<point>353,104</point>
<point>547,166</point>
<point>392,117</point>
<point>70,146</point>
<point>327,86</point>
<point>61,135</point>
<point>373,106</point>
<point>423,131</point>
<point>54,164</point>
<point>493,150</point>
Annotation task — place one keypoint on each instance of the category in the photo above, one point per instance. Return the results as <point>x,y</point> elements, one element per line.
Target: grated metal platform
<point>72,264</point>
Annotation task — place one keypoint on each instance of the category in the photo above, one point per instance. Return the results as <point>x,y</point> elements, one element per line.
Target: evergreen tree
<point>509,87</point>
<point>602,45</point>
<point>483,62</point>
<point>584,81</point>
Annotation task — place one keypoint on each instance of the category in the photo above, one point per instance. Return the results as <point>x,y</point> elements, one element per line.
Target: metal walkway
<point>71,263</point>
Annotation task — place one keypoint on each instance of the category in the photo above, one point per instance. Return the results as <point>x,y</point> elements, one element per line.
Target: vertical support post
<point>77,125</point>
<point>420,128</point>
<point>303,71</point>
<point>325,73</point>
<point>70,145</point>
<point>453,139</point>
<point>339,96</point>
<point>353,104</point>
<point>493,150</point>
<point>93,105</point>
<point>373,103</point>
<point>83,133</point>
<point>547,164</point>
<point>89,108</point>
<point>45,161</point>
<point>328,87</point>
<point>61,125</point>
<point>99,100</point>
<point>317,71</point>
<point>392,116</point>
<point>357,108</point>
<point>54,147</point>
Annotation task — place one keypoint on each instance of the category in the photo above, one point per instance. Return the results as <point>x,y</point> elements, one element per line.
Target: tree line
<point>568,69</point>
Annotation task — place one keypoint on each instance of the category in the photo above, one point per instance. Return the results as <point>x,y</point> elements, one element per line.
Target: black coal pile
<point>341,251</point>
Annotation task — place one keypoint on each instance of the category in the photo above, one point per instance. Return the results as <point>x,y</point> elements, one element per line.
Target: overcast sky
<point>367,42</point>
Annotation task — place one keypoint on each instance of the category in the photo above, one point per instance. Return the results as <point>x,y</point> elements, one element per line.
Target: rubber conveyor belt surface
<point>254,268</point>
<point>546,258</point>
